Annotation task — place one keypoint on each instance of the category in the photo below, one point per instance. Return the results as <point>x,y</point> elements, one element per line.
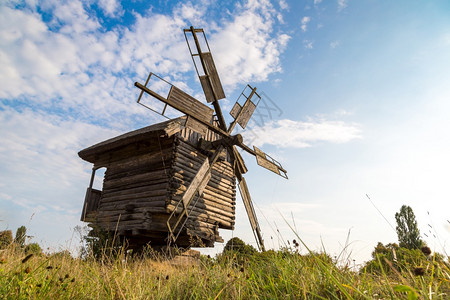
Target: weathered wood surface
<point>189,105</point>
<point>146,180</point>
<point>165,129</point>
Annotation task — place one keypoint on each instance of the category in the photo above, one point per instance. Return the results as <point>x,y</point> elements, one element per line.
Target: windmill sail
<point>245,195</point>
<point>267,162</point>
<point>179,100</point>
<point>204,64</point>
<point>243,113</point>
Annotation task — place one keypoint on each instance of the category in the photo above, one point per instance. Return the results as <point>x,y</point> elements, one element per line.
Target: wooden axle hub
<point>226,141</point>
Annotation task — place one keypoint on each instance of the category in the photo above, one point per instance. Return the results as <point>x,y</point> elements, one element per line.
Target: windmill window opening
<point>98,179</point>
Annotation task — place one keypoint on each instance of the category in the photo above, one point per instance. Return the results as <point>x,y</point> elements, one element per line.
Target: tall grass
<point>282,274</point>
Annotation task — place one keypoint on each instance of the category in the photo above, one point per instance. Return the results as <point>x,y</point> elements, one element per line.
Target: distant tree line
<point>6,239</point>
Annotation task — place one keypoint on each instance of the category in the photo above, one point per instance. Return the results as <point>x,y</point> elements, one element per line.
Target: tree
<point>239,246</point>
<point>21,234</point>
<point>407,231</point>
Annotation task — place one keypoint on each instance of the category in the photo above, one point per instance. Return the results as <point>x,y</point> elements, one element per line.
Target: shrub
<point>33,248</point>
<point>6,238</point>
<point>239,246</point>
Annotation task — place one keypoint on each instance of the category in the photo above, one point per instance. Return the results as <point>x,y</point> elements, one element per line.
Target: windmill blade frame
<point>245,195</point>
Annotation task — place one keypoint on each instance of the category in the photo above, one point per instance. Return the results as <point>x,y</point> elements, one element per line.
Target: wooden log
<point>211,193</point>
<point>199,211</point>
<point>189,172</point>
<point>132,196</point>
<point>153,202</point>
<point>208,217</point>
<point>127,190</point>
<point>145,177</point>
<point>137,210</point>
<point>146,159</point>
<point>136,171</point>
<point>225,210</point>
<point>138,185</point>
<point>186,150</point>
<point>222,184</point>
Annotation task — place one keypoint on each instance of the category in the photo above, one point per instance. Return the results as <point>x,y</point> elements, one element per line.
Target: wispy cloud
<point>304,22</point>
<point>308,44</point>
<point>302,134</point>
<point>342,4</point>
<point>334,44</point>
<point>283,4</point>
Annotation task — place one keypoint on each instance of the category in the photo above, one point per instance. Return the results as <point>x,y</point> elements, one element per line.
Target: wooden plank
<point>264,162</point>
<point>189,105</point>
<point>246,113</point>
<point>196,126</point>
<point>91,203</point>
<point>235,110</point>
<point>211,71</point>
<point>198,183</point>
<point>247,203</point>
<point>206,86</point>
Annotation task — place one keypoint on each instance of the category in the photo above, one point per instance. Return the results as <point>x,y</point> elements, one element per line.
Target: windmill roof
<point>167,129</point>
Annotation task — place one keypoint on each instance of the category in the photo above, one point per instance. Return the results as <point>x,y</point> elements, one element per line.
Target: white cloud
<point>298,134</point>
<point>308,44</point>
<point>72,63</point>
<point>317,2</point>
<point>334,44</point>
<point>305,20</point>
<point>283,5</point>
<point>342,4</point>
<point>111,8</point>
<point>244,49</point>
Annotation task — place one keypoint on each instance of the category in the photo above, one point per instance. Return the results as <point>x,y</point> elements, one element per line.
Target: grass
<point>282,274</point>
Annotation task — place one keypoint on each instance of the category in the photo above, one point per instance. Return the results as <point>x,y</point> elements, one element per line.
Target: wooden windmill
<point>175,182</point>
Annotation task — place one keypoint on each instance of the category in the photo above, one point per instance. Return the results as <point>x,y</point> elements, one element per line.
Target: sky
<point>355,106</point>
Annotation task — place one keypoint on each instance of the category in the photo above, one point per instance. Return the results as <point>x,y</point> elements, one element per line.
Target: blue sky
<point>357,93</point>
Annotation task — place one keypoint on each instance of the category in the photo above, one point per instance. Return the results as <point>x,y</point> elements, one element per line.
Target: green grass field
<point>280,274</point>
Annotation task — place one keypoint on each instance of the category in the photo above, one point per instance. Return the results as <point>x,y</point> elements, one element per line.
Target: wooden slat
<point>189,105</point>
<point>235,110</point>
<point>247,112</point>
<point>211,71</point>
<point>198,183</point>
<point>247,203</point>
<point>264,162</point>
<point>196,126</point>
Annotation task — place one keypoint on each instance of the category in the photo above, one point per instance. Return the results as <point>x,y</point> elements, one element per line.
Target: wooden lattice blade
<point>269,163</point>
<point>245,195</point>
<point>182,102</point>
<point>243,113</point>
<point>204,64</point>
